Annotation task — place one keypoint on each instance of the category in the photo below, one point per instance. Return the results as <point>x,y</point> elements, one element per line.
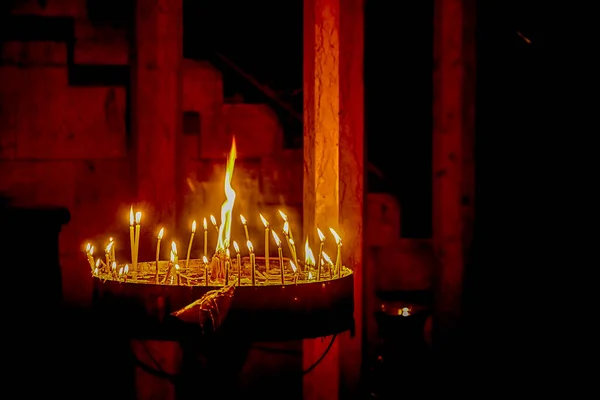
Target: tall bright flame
<point>227,207</point>
<point>309,258</point>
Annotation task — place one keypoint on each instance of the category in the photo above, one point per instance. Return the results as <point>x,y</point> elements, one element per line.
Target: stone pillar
<point>334,165</point>
<point>453,165</point>
<point>156,107</point>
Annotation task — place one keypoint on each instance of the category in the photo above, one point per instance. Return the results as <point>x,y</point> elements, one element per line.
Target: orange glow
<point>277,240</point>
<point>227,207</point>
<point>309,258</point>
<point>161,233</point>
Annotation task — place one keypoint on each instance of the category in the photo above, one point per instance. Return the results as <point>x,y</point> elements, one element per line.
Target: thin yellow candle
<point>266,224</point>
<point>131,233</point>
<point>338,259</point>
<point>114,268</point>
<point>245,223</point>
<point>112,249</point>
<point>158,240</point>
<point>286,221</point>
<point>290,241</point>
<point>90,255</point>
<point>138,220</point>
<point>227,267</point>
<point>125,272</point>
<point>189,250</point>
<point>205,261</point>
<point>98,265</point>
<point>320,257</point>
<point>205,225</point>
<point>238,259</point>
<point>174,251</point>
<point>279,254</point>
<point>252,261</point>
<point>213,220</point>
<point>327,260</point>
<point>309,258</point>
<point>295,270</point>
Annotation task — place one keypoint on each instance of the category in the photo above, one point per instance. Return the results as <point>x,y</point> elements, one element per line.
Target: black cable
<point>160,373</point>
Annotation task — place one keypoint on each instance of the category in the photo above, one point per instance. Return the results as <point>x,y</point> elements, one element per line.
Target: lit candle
<point>97,272</point>
<point>205,225</point>
<point>187,258</point>
<point>131,233</point>
<point>90,255</point>
<point>227,267</point>
<point>279,254</point>
<point>252,261</point>
<point>177,274</point>
<point>295,270</point>
<point>285,220</point>
<point>327,260</point>
<point>205,261</point>
<point>114,269</point>
<point>238,258</point>
<point>266,224</point>
<point>120,272</point>
<point>213,220</point>
<point>158,240</point>
<point>125,272</point>
<point>138,220</point>
<point>320,258</point>
<point>245,223</point>
<point>309,258</point>
<point>112,249</point>
<point>174,251</point>
<point>107,253</point>
<point>98,267</point>
<point>338,258</point>
<point>290,241</point>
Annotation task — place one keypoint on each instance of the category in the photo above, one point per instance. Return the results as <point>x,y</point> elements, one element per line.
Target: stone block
<point>257,130</point>
<point>202,86</point>
<point>383,220</point>
<point>51,8</point>
<point>100,45</point>
<point>34,53</point>
<point>53,121</point>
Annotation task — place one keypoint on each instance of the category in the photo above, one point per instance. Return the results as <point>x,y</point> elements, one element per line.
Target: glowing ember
<point>227,207</point>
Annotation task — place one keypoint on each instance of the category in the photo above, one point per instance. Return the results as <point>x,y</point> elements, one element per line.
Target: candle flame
<point>204,224</point>
<point>250,247</point>
<point>194,226</point>
<point>309,257</point>
<point>88,247</point>
<point>92,251</point>
<point>96,271</point>
<point>213,220</point>
<point>205,260</point>
<point>227,253</point>
<point>286,228</point>
<point>176,267</point>
<point>131,220</point>
<point>277,240</point>
<point>174,247</point>
<point>138,217</point>
<point>97,263</point>
<point>109,246</point>
<point>310,275</point>
<point>114,266</point>
<point>161,233</point>
<point>172,256</point>
<point>285,218</point>
<point>326,258</point>
<point>243,219</point>
<point>110,239</point>
<point>126,270</point>
<point>227,207</point>
<point>321,235</point>
<point>293,266</point>
<point>338,239</point>
<point>120,271</point>
<point>236,247</point>
<point>264,221</point>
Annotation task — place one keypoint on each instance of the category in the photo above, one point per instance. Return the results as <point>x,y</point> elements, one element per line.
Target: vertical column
<point>156,106</point>
<point>453,164</point>
<point>334,169</point>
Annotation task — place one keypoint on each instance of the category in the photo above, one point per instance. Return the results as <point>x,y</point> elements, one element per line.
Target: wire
<point>160,373</point>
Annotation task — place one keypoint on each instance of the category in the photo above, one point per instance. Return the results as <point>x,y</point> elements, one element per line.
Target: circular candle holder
<point>307,304</point>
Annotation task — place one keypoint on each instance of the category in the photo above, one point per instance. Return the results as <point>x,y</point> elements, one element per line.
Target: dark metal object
<point>260,313</point>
